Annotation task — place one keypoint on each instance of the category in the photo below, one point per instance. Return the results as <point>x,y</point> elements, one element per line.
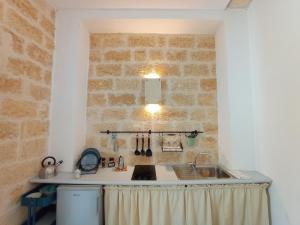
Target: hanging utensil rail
<point>195,132</point>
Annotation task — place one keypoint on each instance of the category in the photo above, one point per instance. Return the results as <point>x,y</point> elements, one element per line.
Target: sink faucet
<point>194,163</point>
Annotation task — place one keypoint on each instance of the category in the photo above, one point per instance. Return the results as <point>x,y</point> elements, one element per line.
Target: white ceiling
<point>140,4</point>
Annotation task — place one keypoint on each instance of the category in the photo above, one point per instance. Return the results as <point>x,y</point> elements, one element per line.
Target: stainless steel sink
<point>188,172</point>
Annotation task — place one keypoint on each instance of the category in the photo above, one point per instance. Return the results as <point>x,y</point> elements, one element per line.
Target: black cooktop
<point>144,172</point>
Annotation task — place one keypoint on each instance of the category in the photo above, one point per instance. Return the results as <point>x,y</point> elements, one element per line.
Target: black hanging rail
<point>195,132</point>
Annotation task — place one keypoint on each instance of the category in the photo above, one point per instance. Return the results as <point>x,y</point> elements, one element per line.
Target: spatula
<point>149,151</point>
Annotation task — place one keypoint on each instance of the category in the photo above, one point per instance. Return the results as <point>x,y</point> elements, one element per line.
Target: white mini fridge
<point>79,205</point>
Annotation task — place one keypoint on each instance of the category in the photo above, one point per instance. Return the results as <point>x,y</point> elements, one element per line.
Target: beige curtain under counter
<point>191,205</point>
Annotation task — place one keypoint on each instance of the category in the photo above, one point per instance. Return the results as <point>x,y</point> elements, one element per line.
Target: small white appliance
<point>79,205</point>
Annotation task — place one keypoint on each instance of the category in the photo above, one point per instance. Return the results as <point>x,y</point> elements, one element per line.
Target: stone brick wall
<point>186,65</point>
<point>26,47</point>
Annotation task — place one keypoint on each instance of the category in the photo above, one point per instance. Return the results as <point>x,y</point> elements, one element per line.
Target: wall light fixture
<point>152,92</point>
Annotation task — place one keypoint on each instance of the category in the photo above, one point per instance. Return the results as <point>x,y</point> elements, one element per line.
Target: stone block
<point>25,170</point>
<point>103,126</point>
<point>140,114</point>
<point>40,93</point>
<point>114,114</point>
<point>212,114</point>
<point>1,11</point>
<point>161,41</point>
<point>34,148</point>
<point>124,99</point>
<point>117,56</point>
<point>213,70</point>
<point>174,55</point>
<point>106,41</point>
<point>98,85</point>
<point>33,128</point>
<point>132,85</point>
<point>171,114</point>
<point>197,70</point>
<point>18,108</point>
<point>96,100</point>
<point>113,41</point>
<point>49,43</point>
<point>16,42</point>
<point>43,111</point>
<point>8,152</point>
<point>95,56</point>
<point>165,69</point>
<point>169,157</point>
<point>15,194</point>
<point>204,56</point>
<point>48,77</point>
<point>185,84</point>
<point>24,67</point>
<point>208,84</point>
<point>8,130</point>
<point>140,55</point>
<point>156,55</point>
<point>206,42</point>
<point>183,100</point>
<point>137,69</point>
<point>208,143</point>
<point>181,41</point>
<point>10,85</point>
<point>23,27</point>
<point>48,26</point>
<point>210,128</point>
<point>207,99</point>
<point>108,70</point>
<point>25,7</point>
<point>141,41</point>
<point>198,114</point>
<point>39,55</point>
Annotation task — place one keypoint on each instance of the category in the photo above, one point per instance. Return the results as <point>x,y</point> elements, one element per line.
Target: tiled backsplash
<point>186,65</point>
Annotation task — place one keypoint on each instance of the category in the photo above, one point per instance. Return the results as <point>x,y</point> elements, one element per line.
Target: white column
<point>236,129</point>
<point>68,103</point>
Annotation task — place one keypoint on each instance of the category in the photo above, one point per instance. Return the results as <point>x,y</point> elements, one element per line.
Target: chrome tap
<point>194,163</point>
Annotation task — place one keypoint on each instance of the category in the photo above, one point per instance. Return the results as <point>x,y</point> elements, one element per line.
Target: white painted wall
<point>236,130</point>
<point>68,100</point>
<point>275,44</point>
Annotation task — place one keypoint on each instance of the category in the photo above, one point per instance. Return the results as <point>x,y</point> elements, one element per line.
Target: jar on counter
<point>103,162</point>
<point>111,162</point>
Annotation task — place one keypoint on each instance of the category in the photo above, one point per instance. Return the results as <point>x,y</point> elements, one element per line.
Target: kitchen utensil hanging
<point>191,139</point>
<point>143,141</point>
<point>171,143</point>
<point>137,152</point>
<point>149,151</point>
<point>114,138</point>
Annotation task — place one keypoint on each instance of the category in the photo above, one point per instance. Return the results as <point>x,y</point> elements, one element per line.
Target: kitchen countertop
<point>165,176</point>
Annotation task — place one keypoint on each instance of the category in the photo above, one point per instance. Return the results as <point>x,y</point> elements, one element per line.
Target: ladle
<point>137,152</point>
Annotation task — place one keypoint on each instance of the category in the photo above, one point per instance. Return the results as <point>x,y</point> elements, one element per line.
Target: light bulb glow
<point>153,108</point>
<point>152,75</point>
